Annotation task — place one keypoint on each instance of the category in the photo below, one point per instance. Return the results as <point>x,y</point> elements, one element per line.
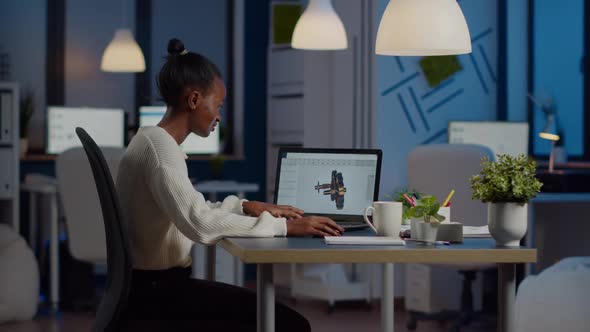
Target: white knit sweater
<point>165,214</point>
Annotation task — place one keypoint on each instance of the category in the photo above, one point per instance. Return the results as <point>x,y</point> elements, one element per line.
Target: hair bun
<point>175,46</point>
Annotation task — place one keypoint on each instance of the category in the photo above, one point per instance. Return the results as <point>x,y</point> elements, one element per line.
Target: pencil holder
<point>445,211</point>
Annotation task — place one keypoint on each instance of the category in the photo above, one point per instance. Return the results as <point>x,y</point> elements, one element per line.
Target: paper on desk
<point>366,240</point>
<point>476,231</point>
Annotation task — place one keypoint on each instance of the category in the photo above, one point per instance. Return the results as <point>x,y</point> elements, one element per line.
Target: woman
<point>165,214</point>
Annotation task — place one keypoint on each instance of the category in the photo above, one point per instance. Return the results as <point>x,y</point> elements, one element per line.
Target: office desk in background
<point>213,188</point>
<point>558,227</point>
<point>39,186</point>
<point>268,251</point>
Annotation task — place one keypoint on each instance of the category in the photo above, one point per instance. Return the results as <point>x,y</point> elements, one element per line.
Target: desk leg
<point>210,262</point>
<point>33,223</point>
<point>265,299</point>
<point>506,297</point>
<point>387,309</point>
<point>238,265</point>
<point>54,252</point>
<point>530,237</point>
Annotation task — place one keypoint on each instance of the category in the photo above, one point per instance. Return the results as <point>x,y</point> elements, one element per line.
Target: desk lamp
<point>550,133</point>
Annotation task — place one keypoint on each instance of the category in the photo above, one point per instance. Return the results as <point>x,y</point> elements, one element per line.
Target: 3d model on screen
<point>335,189</point>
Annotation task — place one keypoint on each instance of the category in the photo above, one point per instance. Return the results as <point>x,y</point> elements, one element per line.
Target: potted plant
<point>427,208</point>
<point>216,166</point>
<point>506,185</point>
<point>27,107</point>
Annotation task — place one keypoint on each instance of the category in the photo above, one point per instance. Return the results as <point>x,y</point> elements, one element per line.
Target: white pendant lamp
<point>123,55</point>
<point>319,28</point>
<point>423,27</point>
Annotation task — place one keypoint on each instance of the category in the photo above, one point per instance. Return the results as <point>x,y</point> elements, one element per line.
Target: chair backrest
<point>119,263</point>
<point>84,220</point>
<point>437,168</point>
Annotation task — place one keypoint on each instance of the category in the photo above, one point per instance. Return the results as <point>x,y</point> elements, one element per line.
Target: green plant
<point>509,180</point>
<point>216,165</point>
<point>427,208</point>
<point>398,196</point>
<point>27,108</point>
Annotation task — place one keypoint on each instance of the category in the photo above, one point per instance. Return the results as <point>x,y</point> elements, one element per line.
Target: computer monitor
<point>336,183</point>
<point>510,138</point>
<point>151,115</point>
<point>105,125</point>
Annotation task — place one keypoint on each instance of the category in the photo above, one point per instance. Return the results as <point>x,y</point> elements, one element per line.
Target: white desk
<point>213,188</point>
<point>36,186</point>
<point>268,251</point>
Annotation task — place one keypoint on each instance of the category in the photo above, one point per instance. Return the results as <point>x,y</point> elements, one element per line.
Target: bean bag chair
<point>19,277</point>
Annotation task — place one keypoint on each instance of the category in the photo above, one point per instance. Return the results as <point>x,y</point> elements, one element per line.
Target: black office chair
<point>111,314</point>
<point>114,299</point>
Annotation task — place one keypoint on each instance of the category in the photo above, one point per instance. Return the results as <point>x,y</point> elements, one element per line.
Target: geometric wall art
<point>411,112</point>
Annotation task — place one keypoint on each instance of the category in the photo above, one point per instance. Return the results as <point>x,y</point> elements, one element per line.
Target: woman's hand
<point>255,209</point>
<point>318,226</point>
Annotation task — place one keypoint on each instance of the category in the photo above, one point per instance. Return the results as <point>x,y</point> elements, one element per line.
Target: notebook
<point>476,231</point>
<point>364,240</point>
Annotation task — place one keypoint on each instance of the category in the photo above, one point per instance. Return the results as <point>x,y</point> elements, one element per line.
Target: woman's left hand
<point>255,209</point>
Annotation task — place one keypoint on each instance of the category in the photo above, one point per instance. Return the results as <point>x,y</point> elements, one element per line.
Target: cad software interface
<point>327,183</point>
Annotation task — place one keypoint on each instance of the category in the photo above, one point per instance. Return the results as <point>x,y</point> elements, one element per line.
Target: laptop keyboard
<point>352,225</point>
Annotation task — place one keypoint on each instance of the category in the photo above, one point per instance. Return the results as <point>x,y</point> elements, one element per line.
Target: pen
<point>446,243</point>
<point>409,200</point>
<point>449,198</point>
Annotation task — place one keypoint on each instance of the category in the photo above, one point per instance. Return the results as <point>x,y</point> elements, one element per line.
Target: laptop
<point>334,183</point>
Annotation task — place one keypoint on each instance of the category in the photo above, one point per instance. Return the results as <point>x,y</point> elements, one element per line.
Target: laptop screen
<point>328,181</point>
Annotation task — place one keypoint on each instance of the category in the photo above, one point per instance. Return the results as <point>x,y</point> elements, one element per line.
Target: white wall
<point>90,26</point>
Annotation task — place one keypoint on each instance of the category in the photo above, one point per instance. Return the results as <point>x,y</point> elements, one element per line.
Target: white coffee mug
<point>387,218</point>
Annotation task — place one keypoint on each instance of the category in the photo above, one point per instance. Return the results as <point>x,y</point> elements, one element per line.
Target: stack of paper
<point>364,240</point>
<point>476,231</point>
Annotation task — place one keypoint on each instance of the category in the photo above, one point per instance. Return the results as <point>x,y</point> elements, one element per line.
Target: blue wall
<point>517,60</point>
<point>201,25</point>
<point>558,49</point>
<point>253,167</point>
<point>410,113</point>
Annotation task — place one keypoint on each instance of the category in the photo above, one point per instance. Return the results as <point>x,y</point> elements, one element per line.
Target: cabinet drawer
<point>6,172</point>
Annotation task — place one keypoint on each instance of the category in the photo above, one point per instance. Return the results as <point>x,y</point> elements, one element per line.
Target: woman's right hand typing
<point>318,226</point>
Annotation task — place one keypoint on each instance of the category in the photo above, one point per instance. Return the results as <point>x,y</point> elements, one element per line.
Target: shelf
<point>38,157</point>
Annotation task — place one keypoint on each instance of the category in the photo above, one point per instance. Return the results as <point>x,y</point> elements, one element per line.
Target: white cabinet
<point>9,154</point>
<point>323,99</point>
<point>434,288</point>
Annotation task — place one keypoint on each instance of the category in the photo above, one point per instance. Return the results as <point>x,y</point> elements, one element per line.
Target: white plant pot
<point>414,230</point>
<point>507,223</point>
<point>427,231</point>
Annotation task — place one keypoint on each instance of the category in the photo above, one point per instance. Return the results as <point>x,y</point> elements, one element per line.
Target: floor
<point>346,317</point>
